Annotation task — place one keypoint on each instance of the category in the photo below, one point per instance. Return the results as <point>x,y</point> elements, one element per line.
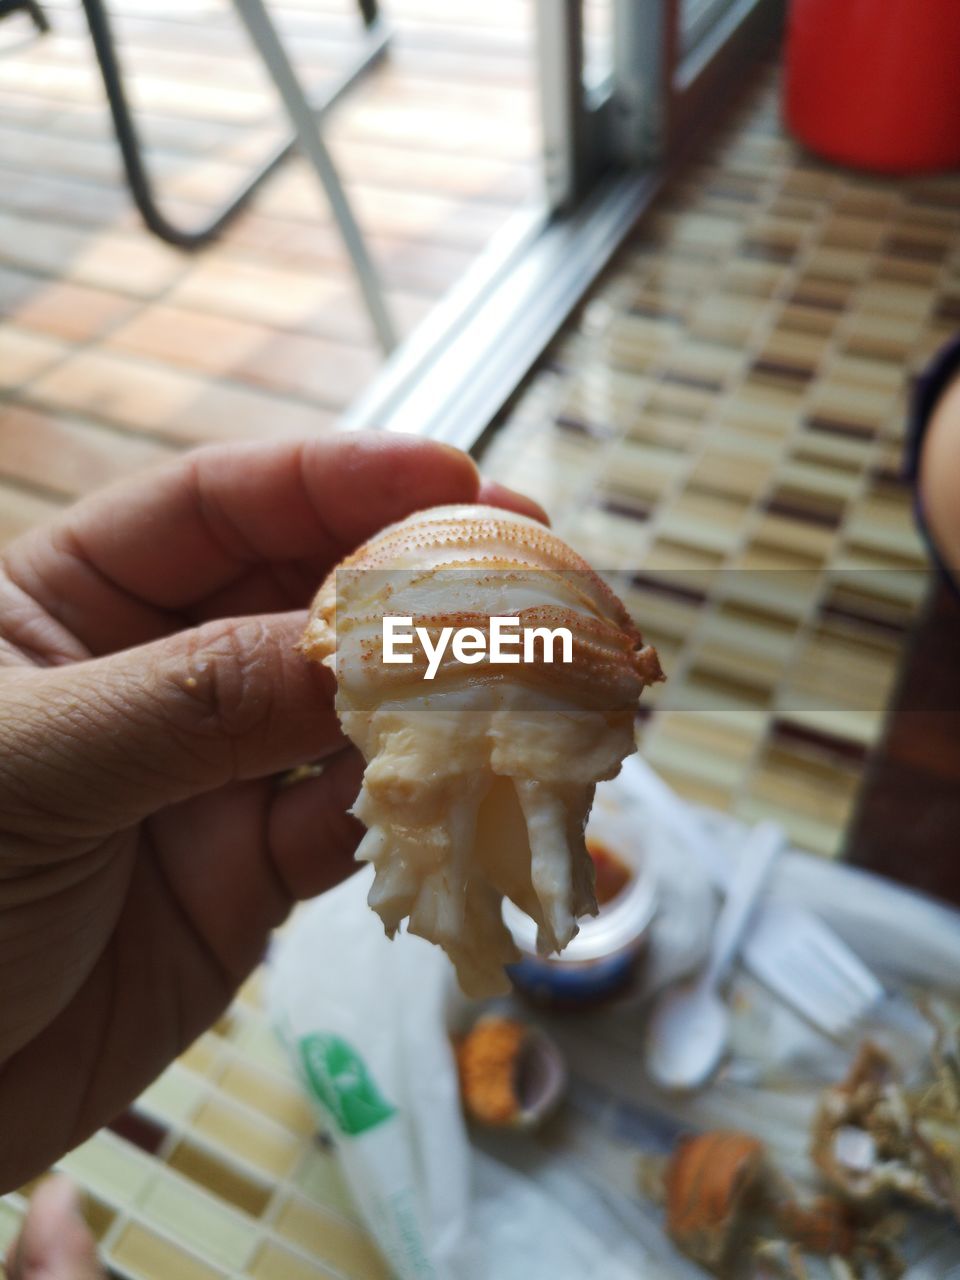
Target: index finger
<point>125,565</point>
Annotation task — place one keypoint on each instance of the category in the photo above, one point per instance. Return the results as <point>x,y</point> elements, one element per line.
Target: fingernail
<point>499,495</point>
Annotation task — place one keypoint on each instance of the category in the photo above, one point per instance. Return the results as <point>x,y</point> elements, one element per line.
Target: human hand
<point>149,695</point>
<point>55,1243</point>
<point>939,479</point>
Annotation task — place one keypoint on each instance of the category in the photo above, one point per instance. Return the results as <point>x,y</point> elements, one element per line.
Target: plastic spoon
<point>690,1024</point>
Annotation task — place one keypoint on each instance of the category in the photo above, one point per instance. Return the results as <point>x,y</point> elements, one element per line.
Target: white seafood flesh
<point>479,782</point>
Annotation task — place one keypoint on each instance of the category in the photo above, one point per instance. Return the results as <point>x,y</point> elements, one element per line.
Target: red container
<point>876,83</point>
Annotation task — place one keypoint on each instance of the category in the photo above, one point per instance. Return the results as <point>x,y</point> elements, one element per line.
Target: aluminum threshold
<point>458,370</point>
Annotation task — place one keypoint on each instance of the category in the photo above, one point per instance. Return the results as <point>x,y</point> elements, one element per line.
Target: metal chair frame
<point>306,117</point>
<point>31,8</point>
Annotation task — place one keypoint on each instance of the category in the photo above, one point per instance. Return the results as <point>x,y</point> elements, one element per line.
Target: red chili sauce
<point>612,873</point>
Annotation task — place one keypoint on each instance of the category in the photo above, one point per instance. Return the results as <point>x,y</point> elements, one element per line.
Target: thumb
<point>55,1243</point>
<point>96,746</point>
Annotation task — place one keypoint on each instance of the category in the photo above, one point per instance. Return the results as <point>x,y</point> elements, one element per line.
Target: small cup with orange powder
<point>512,1076</point>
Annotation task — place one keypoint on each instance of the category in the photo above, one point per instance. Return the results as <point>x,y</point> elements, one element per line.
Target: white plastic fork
<point>789,949</point>
<point>690,1023</point>
<point>802,960</point>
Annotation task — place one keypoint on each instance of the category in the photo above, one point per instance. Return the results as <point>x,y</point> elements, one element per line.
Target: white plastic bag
<point>365,1020</point>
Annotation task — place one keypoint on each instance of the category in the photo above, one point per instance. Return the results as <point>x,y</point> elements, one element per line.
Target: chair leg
<point>42,22</point>
<point>36,12</point>
<point>138,177</point>
<point>264,36</point>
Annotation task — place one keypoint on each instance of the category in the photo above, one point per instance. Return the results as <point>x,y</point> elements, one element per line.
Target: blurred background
<point>670,267</point>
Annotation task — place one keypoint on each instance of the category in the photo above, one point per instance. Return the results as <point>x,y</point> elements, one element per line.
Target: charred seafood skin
<point>478,782</point>
<point>732,1211</point>
<point>874,1137</point>
<point>708,1183</point>
<point>877,1144</point>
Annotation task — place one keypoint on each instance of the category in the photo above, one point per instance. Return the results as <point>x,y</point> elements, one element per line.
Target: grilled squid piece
<point>480,778</point>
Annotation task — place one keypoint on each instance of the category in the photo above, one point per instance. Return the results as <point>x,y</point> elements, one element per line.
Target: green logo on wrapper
<point>338,1077</point>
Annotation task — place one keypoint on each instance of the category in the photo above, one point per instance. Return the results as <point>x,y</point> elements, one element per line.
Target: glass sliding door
<point>712,40</point>
<point>622,84</point>
<point>623,81</point>
<point>696,17</point>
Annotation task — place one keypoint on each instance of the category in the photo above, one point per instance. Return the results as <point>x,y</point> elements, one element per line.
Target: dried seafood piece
<point>780,1258</point>
<point>709,1182</point>
<point>479,781</point>
<point>872,1137</point>
<point>937,1108</point>
<point>855,1245</point>
<point>730,1209</point>
<point>825,1226</point>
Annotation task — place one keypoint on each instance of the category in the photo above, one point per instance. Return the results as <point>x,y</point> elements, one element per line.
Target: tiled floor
<point>116,350</point>
<point>721,428</point>
<point>119,348</point>
<point>730,400</point>
<point>217,1172</point>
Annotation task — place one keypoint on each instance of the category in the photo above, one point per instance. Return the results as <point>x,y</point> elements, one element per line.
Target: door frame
<point>608,152</point>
